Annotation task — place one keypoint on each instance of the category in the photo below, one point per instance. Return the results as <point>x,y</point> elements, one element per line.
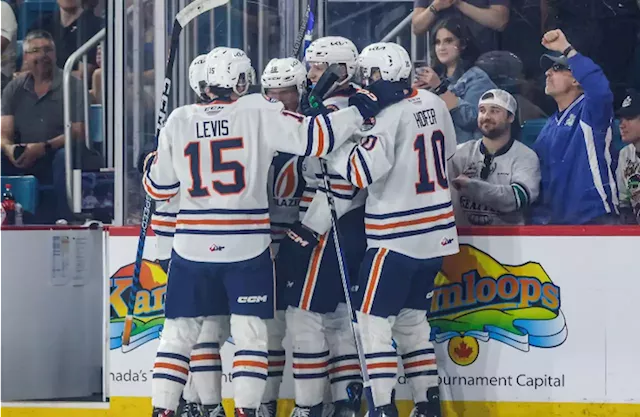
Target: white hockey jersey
<point>628,175</point>
<point>402,161</point>
<point>218,157</point>
<point>286,184</point>
<point>314,207</point>
<point>163,223</point>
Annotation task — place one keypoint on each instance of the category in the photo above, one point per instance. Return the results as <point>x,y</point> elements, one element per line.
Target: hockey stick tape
<point>196,8</point>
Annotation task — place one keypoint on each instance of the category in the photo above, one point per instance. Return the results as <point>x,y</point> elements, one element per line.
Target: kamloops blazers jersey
<point>285,190</point>
<point>402,161</point>
<point>314,207</point>
<point>163,223</point>
<point>217,156</point>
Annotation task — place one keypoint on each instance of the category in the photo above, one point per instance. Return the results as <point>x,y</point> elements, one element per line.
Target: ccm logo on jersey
<point>252,299</point>
<point>446,241</point>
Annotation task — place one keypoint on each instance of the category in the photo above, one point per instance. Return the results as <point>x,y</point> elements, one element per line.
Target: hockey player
<point>217,157</point>
<point>410,226</point>
<point>317,319</point>
<point>283,80</point>
<point>205,369</point>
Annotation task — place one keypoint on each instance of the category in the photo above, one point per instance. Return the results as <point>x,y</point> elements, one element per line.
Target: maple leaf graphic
<point>463,350</point>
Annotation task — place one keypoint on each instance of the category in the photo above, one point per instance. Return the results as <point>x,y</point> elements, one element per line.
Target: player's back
<point>409,210</point>
<point>222,161</point>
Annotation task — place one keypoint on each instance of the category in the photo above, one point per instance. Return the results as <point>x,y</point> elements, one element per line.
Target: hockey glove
<point>308,109</point>
<point>377,96</point>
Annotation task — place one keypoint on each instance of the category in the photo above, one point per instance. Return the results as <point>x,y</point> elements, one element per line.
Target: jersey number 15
<point>216,147</point>
<point>425,184</point>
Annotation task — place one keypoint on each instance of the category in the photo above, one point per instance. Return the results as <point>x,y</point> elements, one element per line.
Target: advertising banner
<point>513,319</point>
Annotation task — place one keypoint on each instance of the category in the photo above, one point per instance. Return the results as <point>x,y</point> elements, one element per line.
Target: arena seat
<point>32,10</point>
<point>25,190</point>
<point>530,131</point>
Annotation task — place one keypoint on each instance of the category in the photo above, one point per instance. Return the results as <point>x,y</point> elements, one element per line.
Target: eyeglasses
<point>45,49</point>
<point>486,166</point>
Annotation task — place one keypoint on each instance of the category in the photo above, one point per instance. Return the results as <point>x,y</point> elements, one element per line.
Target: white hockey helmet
<point>226,68</point>
<point>334,50</point>
<point>198,74</point>
<point>391,59</point>
<point>284,72</point>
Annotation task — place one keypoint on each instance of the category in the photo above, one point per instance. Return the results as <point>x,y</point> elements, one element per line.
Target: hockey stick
<point>184,16</point>
<point>321,89</point>
<point>302,30</point>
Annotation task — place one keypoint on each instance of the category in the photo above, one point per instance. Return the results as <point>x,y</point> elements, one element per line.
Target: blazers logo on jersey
<point>287,186</point>
<point>477,298</point>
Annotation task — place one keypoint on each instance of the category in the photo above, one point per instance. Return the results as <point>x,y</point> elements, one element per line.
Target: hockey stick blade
<point>196,8</point>
<point>325,85</point>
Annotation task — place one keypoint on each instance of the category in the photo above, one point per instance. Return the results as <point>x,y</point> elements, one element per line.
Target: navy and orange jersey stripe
<point>407,223</point>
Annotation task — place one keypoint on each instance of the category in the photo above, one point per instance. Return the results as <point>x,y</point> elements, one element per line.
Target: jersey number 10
<point>425,184</point>
<point>197,189</point>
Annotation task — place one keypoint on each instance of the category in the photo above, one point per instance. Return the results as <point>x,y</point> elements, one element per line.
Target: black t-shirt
<point>69,39</point>
<point>484,38</point>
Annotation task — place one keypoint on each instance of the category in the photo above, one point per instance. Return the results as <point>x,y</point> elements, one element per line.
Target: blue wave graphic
<point>537,333</point>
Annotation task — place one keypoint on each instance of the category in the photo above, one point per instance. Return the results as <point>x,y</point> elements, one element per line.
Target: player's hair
<point>468,49</point>
<point>221,92</point>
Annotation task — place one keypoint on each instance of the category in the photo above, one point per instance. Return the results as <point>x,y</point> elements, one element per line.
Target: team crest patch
<point>368,124</point>
<point>627,102</point>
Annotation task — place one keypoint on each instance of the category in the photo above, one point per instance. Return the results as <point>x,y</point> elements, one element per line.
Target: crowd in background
<point>468,48</point>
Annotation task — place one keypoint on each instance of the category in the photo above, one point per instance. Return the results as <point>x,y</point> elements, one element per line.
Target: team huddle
<point>246,185</point>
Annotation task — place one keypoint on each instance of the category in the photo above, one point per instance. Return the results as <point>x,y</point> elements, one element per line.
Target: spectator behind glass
<point>628,173</point>
<point>578,185</point>
<point>604,30</point>
<point>506,71</point>
<point>71,27</point>
<point>32,118</point>
<point>451,78</point>
<point>8,29</point>
<point>485,18</point>
<point>495,178</point>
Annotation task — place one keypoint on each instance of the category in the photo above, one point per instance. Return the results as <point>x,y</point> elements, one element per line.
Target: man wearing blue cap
<point>577,181</point>
<point>628,172</point>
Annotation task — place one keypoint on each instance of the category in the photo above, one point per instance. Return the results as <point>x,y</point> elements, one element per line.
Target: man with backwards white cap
<point>495,178</point>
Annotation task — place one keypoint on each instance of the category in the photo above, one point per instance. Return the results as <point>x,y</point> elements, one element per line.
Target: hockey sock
<point>411,331</point>
<point>310,353</point>
<point>250,361</point>
<point>344,367</point>
<point>276,328</point>
<point>206,365</point>
<point>381,358</point>
<point>171,367</point>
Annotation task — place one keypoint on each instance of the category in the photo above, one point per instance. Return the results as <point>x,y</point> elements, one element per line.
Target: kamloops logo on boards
<point>476,299</point>
<point>149,309</point>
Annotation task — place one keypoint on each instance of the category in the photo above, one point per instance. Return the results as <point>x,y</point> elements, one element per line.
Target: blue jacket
<point>574,148</point>
<point>469,88</point>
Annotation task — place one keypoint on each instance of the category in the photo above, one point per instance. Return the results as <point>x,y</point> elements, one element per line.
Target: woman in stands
<point>453,77</point>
